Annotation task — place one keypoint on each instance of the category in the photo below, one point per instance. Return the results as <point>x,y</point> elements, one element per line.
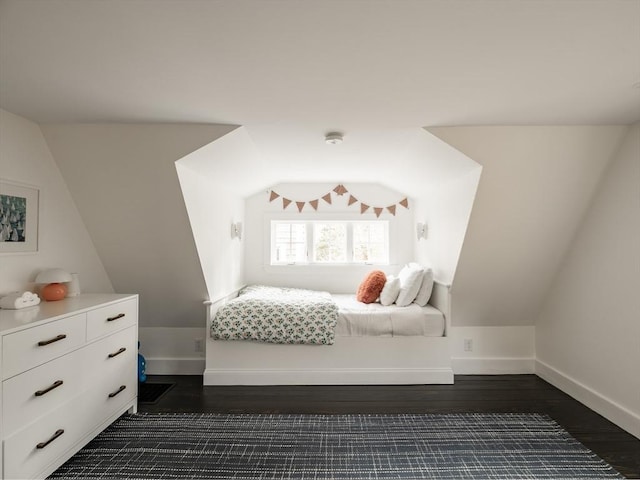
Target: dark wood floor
<point>470,393</point>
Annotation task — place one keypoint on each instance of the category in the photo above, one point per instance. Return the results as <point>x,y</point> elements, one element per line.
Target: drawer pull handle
<point>111,319</point>
<point>113,394</point>
<point>42,343</point>
<point>115,354</point>
<point>56,384</point>
<point>55,435</point>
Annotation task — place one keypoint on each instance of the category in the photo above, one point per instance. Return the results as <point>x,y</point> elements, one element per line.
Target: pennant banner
<point>339,190</point>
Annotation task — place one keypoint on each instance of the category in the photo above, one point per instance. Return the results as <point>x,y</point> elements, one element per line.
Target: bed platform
<point>352,359</point>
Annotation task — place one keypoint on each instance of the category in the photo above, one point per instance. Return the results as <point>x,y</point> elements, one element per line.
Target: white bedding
<point>356,319</point>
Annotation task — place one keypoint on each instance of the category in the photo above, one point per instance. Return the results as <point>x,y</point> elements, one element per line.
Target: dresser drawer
<point>29,348</point>
<point>113,357</point>
<point>110,395</point>
<point>111,318</point>
<point>42,390</point>
<point>32,449</point>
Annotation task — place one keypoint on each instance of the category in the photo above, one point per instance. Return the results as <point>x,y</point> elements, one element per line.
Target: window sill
<point>319,268</point>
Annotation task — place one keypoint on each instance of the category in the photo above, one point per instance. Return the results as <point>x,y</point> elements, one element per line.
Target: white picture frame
<point>19,210</point>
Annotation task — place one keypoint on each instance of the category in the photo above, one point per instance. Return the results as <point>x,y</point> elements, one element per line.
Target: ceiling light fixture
<point>333,138</point>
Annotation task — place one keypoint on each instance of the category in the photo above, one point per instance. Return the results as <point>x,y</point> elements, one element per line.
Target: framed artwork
<point>18,217</point>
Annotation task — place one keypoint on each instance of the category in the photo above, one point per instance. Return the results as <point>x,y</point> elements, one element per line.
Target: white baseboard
<point>360,376</point>
<point>601,404</point>
<point>175,366</point>
<point>493,366</point>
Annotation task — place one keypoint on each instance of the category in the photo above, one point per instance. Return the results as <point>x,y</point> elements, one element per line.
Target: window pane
<point>370,242</point>
<point>330,242</point>
<point>290,243</point>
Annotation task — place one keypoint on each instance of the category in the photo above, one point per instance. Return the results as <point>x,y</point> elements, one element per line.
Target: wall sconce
<point>421,230</point>
<point>236,230</point>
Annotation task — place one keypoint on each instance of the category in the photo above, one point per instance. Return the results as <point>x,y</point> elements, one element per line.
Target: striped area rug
<point>451,446</point>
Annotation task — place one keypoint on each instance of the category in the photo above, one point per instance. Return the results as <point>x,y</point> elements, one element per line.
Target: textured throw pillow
<point>410,280</point>
<point>390,292</point>
<point>370,288</point>
<point>424,294</point>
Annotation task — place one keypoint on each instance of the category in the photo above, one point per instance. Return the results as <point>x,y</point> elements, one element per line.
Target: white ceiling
<point>292,70</point>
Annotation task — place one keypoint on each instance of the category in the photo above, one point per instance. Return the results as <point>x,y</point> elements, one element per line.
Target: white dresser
<point>69,369</point>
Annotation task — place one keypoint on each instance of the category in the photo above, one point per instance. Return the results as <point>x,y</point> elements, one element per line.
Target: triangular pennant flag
<point>378,211</point>
<point>404,202</point>
<point>327,198</point>
<point>300,205</point>
<point>273,196</point>
<point>285,202</point>
<point>363,207</point>
<point>352,199</point>
<point>340,190</point>
<point>314,204</point>
<point>392,209</point>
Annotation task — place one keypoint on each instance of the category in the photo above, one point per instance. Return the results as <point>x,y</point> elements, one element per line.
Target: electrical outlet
<point>468,345</point>
<point>199,345</point>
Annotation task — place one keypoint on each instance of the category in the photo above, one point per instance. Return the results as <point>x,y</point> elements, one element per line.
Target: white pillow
<point>390,290</point>
<point>424,294</point>
<point>410,280</point>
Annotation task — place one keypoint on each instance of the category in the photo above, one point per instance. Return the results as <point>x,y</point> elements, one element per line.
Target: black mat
<point>152,392</point>
<point>452,446</point>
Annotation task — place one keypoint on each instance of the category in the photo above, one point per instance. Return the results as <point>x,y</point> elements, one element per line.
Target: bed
<point>371,344</point>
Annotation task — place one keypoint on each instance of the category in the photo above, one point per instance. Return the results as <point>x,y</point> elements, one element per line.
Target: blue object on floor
<point>142,367</point>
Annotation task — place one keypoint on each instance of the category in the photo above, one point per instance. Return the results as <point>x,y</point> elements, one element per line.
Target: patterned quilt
<point>277,315</point>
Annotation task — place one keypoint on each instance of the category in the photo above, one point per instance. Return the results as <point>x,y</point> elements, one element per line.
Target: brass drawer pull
<point>115,354</point>
<point>56,384</point>
<point>55,435</point>
<point>113,394</point>
<point>42,343</point>
<point>111,319</point>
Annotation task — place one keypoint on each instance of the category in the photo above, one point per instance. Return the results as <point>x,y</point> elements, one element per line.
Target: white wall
<point>446,210</point>
<point>336,279</point>
<point>588,333</point>
<point>124,182</point>
<point>536,185</point>
<point>173,351</point>
<point>493,350</point>
<point>213,204</point>
<point>212,209</point>
<point>63,240</point>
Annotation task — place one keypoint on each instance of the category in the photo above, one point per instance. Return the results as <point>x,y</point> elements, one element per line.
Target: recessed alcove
<point>229,180</point>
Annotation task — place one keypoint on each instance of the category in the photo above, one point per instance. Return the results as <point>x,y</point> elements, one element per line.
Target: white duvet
<point>356,319</point>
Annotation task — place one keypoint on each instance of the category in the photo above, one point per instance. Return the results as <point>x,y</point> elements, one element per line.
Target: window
<point>329,242</point>
<point>289,244</point>
<point>370,242</point>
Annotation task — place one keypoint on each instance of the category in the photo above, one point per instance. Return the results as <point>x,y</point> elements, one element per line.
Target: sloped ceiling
<point>124,183</point>
<point>536,185</point>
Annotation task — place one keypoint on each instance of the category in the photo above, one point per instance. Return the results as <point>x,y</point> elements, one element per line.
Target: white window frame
<point>270,250</point>
<point>272,242</point>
